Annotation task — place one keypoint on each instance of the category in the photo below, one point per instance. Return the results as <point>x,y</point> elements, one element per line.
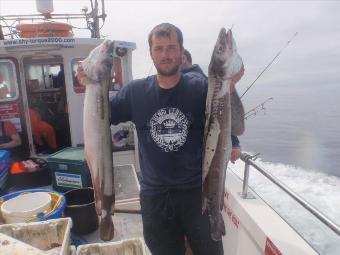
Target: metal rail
<point>249,161</point>
<point>41,17</point>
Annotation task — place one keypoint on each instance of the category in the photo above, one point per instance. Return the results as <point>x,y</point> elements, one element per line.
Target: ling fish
<point>224,116</point>
<point>97,135</point>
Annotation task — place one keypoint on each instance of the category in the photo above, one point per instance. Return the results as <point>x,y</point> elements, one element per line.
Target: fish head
<point>99,62</point>
<point>225,61</point>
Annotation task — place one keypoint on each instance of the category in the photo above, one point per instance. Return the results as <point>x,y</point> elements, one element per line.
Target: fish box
<point>69,169</point>
<point>46,237</point>
<point>29,173</point>
<point>129,246</point>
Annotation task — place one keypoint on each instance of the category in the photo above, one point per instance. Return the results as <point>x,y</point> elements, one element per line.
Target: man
<point>168,110</point>
<point>189,68</point>
<point>41,118</point>
<point>9,137</point>
<point>4,91</point>
<point>43,133</point>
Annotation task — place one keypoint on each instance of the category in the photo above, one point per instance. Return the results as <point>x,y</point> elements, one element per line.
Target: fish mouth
<point>109,46</point>
<point>226,38</point>
<point>223,35</point>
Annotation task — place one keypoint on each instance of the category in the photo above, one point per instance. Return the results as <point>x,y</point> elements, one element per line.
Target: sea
<point>296,134</point>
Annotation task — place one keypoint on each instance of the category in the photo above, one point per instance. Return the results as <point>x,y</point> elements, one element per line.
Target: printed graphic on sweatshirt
<point>169,129</point>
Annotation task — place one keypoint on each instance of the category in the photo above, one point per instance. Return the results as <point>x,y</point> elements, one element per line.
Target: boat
<point>40,65</point>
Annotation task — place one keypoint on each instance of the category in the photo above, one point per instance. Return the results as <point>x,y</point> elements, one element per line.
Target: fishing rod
<point>256,109</point>
<point>270,63</point>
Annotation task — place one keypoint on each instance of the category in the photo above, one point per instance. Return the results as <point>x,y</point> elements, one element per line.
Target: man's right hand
<point>235,154</point>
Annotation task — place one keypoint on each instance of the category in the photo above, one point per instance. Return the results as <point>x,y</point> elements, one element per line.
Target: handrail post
<point>245,180</point>
<point>245,194</point>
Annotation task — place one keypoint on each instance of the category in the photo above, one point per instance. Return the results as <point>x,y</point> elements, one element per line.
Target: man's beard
<point>170,72</point>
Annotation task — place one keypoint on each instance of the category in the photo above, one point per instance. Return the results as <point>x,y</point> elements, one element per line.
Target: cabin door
<point>12,114</point>
<point>47,102</point>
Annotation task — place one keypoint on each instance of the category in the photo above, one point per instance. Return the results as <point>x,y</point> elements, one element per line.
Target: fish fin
<point>95,183</point>
<point>210,147</point>
<point>217,227</point>
<point>205,204</point>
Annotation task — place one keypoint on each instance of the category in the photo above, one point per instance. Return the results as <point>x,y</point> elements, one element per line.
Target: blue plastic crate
<point>3,181</point>
<point>5,159</point>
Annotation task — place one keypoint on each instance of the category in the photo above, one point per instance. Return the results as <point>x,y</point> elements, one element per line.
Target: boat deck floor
<point>128,221</point>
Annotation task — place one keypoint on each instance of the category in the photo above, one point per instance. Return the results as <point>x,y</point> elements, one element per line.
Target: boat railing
<point>249,161</point>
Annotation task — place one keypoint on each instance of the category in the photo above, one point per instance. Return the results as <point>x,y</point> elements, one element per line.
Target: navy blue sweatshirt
<point>170,128</point>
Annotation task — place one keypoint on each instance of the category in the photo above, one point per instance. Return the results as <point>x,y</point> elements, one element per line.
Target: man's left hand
<point>235,154</point>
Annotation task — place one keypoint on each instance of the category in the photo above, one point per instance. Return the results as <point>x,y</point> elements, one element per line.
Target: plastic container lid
<point>25,206</point>
<point>71,154</point>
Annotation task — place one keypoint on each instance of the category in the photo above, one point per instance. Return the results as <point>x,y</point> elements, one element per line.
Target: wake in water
<point>319,189</point>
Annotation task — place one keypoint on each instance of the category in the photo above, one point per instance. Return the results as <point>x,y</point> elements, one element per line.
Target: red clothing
<point>9,129</point>
<point>42,131</point>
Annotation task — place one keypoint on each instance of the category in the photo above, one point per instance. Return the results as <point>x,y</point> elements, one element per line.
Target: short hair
<point>187,55</point>
<point>165,29</point>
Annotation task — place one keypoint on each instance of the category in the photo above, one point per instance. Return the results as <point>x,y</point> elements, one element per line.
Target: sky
<point>261,29</point>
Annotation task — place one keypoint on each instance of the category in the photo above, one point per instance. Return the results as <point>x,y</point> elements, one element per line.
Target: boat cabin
<point>41,96</point>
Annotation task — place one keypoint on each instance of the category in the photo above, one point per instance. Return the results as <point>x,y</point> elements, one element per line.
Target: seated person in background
<point>43,133</point>
<point>35,102</point>
<point>60,79</point>
<point>9,137</point>
<point>3,87</point>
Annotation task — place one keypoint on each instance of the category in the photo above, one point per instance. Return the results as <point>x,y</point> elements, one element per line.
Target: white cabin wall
<point>75,101</point>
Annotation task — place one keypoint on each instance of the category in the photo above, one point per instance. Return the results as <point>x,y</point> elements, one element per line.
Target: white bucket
<point>24,207</point>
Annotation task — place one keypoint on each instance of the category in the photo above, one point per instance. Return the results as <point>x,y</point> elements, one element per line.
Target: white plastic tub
<point>24,207</point>
<point>51,236</point>
<point>129,246</point>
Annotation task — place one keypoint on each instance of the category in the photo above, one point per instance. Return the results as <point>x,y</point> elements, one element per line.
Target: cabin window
<point>8,81</point>
<point>45,76</point>
<point>117,81</point>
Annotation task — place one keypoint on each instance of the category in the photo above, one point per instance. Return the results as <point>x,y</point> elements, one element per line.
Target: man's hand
<point>235,154</point>
<point>236,78</point>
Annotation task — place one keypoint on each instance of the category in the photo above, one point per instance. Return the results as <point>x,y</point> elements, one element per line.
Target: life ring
<point>46,29</point>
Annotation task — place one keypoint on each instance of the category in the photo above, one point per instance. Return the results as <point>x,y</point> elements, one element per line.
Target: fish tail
<point>106,224</point>
<point>106,228</point>
<point>217,227</point>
